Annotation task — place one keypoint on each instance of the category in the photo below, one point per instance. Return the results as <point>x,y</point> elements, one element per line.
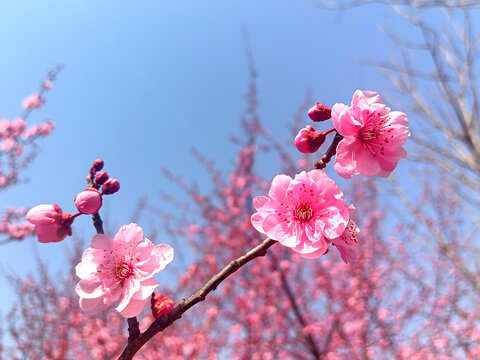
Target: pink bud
<point>101,177</point>
<point>51,224</point>
<point>308,140</point>
<point>111,186</point>
<point>18,126</point>
<point>161,305</point>
<point>89,201</point>
<point>33,101</point>
<point>320,112</point>
<point>98,164</point>
<point>47,85</point>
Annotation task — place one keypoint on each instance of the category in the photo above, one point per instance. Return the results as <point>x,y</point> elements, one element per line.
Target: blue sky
<point>145,81</point>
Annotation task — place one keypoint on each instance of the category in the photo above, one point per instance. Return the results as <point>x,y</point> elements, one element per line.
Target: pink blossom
<point>46,128</point>
<point>120,271</point>
<point>47,85</point>
<point>31,131</point>
<point>5,127</point>
<point>18,150</point>
<point>7,144</point>
<point>347,242</point>
<point>33,101</point>
<point>373,136</point>
<point>18,126</point>
<point>89,201</point>
<point>51,224</point>
<point>304,213</point>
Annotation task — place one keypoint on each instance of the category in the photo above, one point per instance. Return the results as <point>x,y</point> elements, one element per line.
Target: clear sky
<point>144,81</point>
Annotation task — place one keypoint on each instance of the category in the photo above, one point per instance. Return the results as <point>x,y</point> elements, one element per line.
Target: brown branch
<point>332,150</point>
<point>166,320</point>
<point>133,329</point>
<point>298,314</point>
<point>422,4</point>
<point>98,223</point>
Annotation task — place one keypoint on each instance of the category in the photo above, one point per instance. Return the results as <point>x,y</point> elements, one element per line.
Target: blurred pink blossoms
<point>306,214</point>
<point>120,271</point>
<point>373,136</point>
<point>51,223</point>
<point>33,101</point>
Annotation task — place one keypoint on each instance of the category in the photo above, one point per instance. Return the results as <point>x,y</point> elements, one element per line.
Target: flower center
<point>372,131</point>
<point>303,212</point>
<point>123,270</point>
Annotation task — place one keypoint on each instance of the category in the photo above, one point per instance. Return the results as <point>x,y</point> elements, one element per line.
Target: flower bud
<point>161,305</point>
<point>51,223</point>
<point>308,140</point>
<point>111,186</point>
<point>89,201</point>
<point>98,164</point>
<point>101,177</point>
<point>320,112</point>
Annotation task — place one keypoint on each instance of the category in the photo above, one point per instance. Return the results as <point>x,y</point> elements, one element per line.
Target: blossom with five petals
<point>372,136</point>
<point>304,213</point>
<point>120,271</point>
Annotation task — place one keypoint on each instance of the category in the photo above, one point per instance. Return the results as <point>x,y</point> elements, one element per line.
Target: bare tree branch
<point>165,321</point>
<point>453,4</point>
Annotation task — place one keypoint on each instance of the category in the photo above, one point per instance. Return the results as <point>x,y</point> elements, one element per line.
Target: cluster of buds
<point>308,140</point>
<point>100,179</point>
<point>53,225</point>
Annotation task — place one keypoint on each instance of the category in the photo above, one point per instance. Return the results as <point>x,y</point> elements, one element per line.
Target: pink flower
<point>120,271</point>
<point>7,144</point>
<point>5,128</point>
<point>51,224</point>
<point>89,201</point>
<point>18,126</point>
<point>46,128</point>
<point>347,242</point>
<point>47,85</point>
<point>33,101</point>
<point>373,136</point>
<point>304,213</point>
<point>31,131</point>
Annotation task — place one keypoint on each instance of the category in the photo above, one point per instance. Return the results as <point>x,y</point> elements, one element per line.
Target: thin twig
<point>166,320</point>
<point>332,150</point>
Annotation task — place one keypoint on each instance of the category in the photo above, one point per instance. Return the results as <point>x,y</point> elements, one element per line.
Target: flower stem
<point>166,320</point>
<point>332,150</point>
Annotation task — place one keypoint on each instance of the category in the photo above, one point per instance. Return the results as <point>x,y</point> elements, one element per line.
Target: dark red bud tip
<point>308,140</point>
<point>98,165</point>
<point>101,177</point>
<point>320,112</point>
<point>111,186</point>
